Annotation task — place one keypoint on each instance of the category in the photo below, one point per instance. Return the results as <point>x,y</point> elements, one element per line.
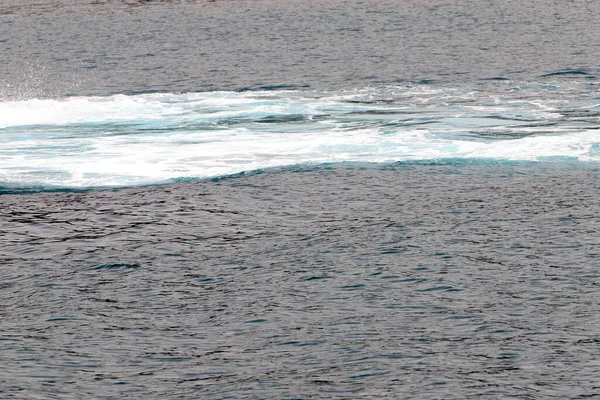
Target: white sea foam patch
<point>129,140</point>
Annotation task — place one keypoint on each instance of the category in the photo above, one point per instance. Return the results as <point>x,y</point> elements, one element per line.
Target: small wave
<point>575,72</point>
<point>114,266</point>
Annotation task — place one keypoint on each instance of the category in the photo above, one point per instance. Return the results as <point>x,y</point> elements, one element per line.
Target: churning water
<point>127,140</point>
<point>270,199</point>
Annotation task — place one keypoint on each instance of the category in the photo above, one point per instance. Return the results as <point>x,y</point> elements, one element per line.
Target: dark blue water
<point>343,199</point>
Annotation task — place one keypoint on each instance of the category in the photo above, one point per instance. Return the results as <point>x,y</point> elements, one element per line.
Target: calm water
<point>270,199</point>
<point>103,47</point>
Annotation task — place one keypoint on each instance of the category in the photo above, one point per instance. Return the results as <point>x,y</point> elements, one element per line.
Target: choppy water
<point>413,280</point>
<point>126,140</point>
<point>413,211</point>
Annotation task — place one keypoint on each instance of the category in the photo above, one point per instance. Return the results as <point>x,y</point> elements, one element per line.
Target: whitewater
<point>125,140</point>
<point>338,199</point>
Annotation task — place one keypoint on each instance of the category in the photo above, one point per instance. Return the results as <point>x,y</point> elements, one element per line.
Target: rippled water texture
<point>414,215</point>
<point>101,47</point>
<point>411,280</point>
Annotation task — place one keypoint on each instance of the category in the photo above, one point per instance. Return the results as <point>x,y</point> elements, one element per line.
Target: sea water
<point>120,140</point>
<point>268,199</point>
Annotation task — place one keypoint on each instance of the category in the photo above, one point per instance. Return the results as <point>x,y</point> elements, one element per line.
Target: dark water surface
<point>441,279</point>
<point>400,281</point>
<point>99,47</point>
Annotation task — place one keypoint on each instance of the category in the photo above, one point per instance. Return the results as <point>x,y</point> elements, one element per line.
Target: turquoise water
<point>119,93</point>
<point>119,140</point>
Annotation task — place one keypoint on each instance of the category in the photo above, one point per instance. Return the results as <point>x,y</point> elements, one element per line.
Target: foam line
<point>130,140</point>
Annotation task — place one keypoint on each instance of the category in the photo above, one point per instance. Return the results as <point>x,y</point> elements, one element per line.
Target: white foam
<point>131,140</point>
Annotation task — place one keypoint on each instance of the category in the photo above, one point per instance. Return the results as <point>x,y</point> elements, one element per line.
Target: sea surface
<point>299,199</point>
